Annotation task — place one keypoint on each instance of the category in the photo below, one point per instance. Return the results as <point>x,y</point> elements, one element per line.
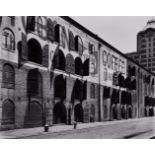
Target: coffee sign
<point>70,64</point>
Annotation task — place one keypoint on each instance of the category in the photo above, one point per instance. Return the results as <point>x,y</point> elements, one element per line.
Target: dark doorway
<point>60,87</point>
<point>151,112</point>
<point>35,51</point>
<point>60,113</point>
<point>114,111</point>
<point>78,113</point>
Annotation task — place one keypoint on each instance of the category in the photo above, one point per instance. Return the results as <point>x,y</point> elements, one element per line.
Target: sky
<point>119,31</point>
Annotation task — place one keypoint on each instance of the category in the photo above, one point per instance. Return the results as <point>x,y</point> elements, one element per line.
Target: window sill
<point>7,49</point>
<point>36,64</point>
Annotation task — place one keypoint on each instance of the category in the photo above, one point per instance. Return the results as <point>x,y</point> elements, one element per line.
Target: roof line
<point>95,36</point>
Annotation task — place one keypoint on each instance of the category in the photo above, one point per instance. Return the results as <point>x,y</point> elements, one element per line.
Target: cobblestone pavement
<point>132,128</point>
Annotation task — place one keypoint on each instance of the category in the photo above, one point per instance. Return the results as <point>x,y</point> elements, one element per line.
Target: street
<point>129,129</point>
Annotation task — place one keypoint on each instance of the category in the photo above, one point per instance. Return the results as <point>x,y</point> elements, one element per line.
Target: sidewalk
<point>55,129</point>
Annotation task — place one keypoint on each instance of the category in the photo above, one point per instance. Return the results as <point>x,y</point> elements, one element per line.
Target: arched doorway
<point>35,117</point>
<point>60,113</point>
<point>78,113</point>
<point>8,112</point>
<point>35,51</point>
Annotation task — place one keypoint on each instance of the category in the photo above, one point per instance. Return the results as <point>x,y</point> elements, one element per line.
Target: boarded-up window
<point>8,112</point>
<point>24,50</point>
<point>60,35</point>
<point>30,23</point>
<point>45,55</point>
<point>12,20</point>
<point>105,78</point>
<point>91,48</point>
<point>35,114</point>
<point>70,64</point>
<point>34,83</point>
<point>0,20</point>
<point>71,41</point>
<point>8,77</point>
<point>40,26</point>
<point>85,90</point>
<point>50,30</point>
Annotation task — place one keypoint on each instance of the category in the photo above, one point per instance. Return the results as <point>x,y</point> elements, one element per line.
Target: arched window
<point>59,61</point>
<point>39,26</point>
<point>78,44</point>
<point>34,83</point>
<point>8,112</point>
<point>92,91</point>
<point>60,35</point>
<point>8,77</point>
<point>35,51</point>
<point>8,40</point>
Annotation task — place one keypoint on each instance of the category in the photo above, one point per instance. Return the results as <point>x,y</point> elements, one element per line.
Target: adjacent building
<point>145,54</point>
<point>55,71</point>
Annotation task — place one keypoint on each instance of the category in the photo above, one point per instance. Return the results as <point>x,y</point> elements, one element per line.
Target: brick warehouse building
<point>53,70</point>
